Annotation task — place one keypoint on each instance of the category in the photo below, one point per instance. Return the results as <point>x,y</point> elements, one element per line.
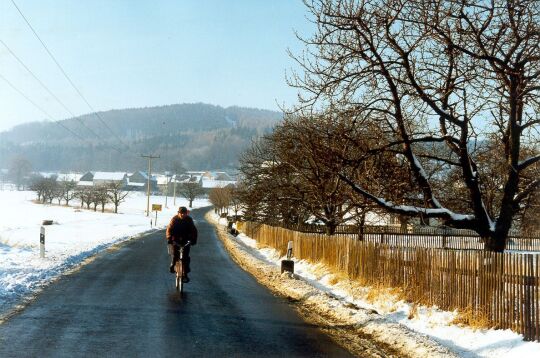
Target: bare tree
<point>84,195</point>
<point>38,184</point>
<point>68,188</point>
<point>439,78</point>
<point>102,196</point>
<point>236,199</point>
<point>190,191</point>
<point>220,198</point>
<point>270,191</point>
<point>97,195</point>
<point>50,190</point>
<point>117,194</point>
<point>313,148</point>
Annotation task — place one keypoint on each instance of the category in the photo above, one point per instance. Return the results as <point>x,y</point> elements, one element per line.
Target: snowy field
<point>75,235</point>
<point>431,322</point>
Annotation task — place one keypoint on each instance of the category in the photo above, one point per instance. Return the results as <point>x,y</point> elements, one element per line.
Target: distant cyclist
<point>180,231</point>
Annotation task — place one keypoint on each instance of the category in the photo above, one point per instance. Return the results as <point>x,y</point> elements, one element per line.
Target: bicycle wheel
<point>178,269</point>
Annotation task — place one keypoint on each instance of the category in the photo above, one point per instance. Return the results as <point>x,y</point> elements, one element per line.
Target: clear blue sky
<point>135,53</point>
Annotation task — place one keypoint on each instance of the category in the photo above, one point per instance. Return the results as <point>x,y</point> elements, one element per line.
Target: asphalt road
<point>124,304</point>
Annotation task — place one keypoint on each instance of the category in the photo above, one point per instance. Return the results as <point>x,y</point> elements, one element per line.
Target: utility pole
<point>174,189</point>
<point>149,157</point>
<point>167,181</point>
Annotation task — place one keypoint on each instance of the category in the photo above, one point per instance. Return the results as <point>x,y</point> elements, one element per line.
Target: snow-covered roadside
<point>380,315</point>
<point>76,235</point>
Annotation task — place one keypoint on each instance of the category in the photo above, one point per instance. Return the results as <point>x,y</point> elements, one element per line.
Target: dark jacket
<point>182,230</point>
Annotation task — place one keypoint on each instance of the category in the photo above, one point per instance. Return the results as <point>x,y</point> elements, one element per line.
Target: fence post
<point>444,238</point>
<point>528,283</point>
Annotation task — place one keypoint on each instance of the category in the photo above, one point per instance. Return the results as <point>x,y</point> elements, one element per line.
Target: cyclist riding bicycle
<point>180,230</point>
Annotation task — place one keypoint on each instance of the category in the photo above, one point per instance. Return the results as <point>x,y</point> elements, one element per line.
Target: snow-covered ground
<point>431,322</point>
<point>75,235</point>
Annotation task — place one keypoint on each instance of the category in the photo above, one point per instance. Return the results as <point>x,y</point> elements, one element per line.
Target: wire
<point>47,115</point>
<point>66,76</point>
<point>50,92</point>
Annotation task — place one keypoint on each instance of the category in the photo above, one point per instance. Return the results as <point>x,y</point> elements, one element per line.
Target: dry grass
<point>413,312</point>
<point>475,320</point>
<point>378,292</point>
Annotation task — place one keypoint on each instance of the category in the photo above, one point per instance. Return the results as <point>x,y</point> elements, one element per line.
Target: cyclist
<point>180,230</point>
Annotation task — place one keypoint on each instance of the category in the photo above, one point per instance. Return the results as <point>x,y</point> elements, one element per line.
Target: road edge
<point>368,337</point>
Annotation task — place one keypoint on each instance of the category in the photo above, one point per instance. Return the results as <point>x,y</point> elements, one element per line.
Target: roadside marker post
<point>42,242</point>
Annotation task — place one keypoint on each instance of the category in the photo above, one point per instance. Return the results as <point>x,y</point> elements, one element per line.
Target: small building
<point>87,177</point>
<point>138,181</point>
<point>104,178</point>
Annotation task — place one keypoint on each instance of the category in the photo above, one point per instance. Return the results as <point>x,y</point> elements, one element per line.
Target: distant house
<point>104,178</point>
<point>139,181</point>
<point>86,180</point>
<point>88,177</point>
<point>210,183</point>
<point>163,181</point>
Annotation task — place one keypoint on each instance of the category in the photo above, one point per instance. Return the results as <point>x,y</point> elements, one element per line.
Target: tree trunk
<point>495,243</point>
<point>330,228</point>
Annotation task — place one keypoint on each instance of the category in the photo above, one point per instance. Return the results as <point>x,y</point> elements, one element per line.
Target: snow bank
<point>387,311</point>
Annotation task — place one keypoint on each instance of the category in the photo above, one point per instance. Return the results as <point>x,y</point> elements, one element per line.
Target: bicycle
<point>179,266</point>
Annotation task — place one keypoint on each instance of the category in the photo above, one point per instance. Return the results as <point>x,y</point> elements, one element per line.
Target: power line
<point>36,78</point>
<point>66,76</point>
<point>50,92</point>
<point>48,116</point>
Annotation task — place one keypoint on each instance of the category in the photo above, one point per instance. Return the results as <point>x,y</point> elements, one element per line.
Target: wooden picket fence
<point>428,237</point>
<point>502,288</point>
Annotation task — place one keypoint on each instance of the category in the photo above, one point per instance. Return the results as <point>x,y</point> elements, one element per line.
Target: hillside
<point>200,136</point>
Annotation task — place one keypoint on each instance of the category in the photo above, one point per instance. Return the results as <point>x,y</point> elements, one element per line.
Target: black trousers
<point>187,259</point>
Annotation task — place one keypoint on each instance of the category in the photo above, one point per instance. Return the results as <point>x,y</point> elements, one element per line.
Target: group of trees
<point>420,108</point>
<point>226,198</point>
<point>49,189</point>
<point>293,174</point>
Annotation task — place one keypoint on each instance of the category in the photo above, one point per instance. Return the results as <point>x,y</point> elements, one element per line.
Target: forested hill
<point>200,136</point>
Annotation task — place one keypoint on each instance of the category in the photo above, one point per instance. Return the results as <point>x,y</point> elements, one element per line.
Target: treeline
<point>49,189</point>
<point>203,136</point>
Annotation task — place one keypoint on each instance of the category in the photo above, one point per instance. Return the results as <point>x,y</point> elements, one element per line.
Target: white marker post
<point>42,242</point>
<point>289,250</point>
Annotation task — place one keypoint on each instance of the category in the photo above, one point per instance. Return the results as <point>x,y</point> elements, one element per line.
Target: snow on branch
<point>409,210</point>
<point>527,162</point>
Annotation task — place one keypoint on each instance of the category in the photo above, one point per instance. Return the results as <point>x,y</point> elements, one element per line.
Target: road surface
<point>124,304</point>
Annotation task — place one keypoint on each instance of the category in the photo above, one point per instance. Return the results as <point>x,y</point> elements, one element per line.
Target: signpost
<point>156,208</point>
